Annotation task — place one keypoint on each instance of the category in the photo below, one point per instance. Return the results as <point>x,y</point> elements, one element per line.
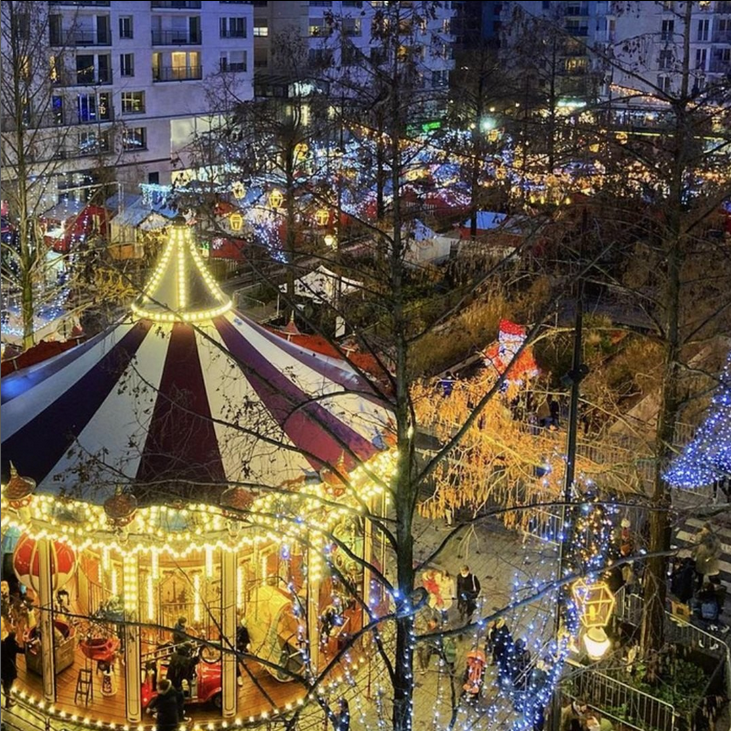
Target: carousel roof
<point>182,396</point>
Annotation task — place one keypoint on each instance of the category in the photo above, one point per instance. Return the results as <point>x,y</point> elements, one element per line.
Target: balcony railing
<point>175,38</point>
<point>82,38</point>
<point>237,66</point>
<point>176,4</point>
<point>233,33</point>
<point>719,66</point>
<point>172,73</point>
<point>722,36</point>
<point>98,4</point>
<point>578,31</point>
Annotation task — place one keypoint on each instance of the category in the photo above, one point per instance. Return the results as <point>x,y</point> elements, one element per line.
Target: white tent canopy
<point>321,285</point>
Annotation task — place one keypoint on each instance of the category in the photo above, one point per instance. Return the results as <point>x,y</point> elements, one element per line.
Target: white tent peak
<point>181,289</point>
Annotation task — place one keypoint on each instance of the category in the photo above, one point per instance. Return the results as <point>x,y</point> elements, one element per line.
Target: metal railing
<point>176,38</point>
<point>173,73</point>
<point>176,4</point>
<point>640,709</point>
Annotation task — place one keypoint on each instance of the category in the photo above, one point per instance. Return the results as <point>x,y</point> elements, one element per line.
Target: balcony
<point>172,73</point>
<point>235,66</point>
<point>719,66</point>
<point>722,36</point>
<point>233,33</point>
<point>176,38</point>
<point>176,4</point>
<point>578,31</point>
<point>82,38</point>
<point>99,4</point>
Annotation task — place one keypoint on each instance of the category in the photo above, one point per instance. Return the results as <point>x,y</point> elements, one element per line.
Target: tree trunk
<point>290,239</point>
<point>655,581</point>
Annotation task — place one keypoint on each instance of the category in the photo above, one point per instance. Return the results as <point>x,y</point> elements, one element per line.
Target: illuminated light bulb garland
<point>707,459</point>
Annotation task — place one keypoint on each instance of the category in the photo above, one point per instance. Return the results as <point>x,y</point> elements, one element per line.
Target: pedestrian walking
<point>342,716</point>
<point>9,651</point>
<point>167,705</point>
<point>468,589</point>
<point>449,654</point>
<point>706,555</point>
<point>573,716</point>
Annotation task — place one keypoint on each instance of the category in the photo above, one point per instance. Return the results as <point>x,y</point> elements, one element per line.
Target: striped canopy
<point>183,397</point>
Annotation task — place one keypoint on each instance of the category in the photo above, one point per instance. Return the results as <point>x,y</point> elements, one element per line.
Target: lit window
<point>134,138</point>
<point>261,27</point>
<point>133,102</point>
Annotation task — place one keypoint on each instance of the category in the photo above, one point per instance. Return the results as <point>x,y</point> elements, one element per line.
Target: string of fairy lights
<point>707,459</point>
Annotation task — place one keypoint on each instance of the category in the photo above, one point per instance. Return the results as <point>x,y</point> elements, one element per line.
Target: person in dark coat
<point>167,704</point>
<point>519,664</point>
<point>9,651</point>
<point>342,717</point>
<point>243,640</point>
<point>500,642</point>
<point>468,589</point>
<point>182,667</point>
<point>180,631</point>
<point>683,579</point>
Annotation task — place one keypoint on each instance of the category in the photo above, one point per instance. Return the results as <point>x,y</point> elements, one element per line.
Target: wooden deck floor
<point>251,700</point>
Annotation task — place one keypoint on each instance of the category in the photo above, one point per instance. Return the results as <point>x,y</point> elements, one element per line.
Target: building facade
<point>128,84</point>
<point>343,35</point>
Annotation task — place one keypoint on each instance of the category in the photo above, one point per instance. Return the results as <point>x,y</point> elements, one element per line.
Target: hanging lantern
<point>322,216</point>
<point>19,490</point>
<point>238,190</point>
<point>237,499</point>
<point>596,643</point>
<point>276,198</point>
<point>236,221</point>
<point>332,479</point>
<point>301,150</point>
<point>26,563</point>
<point>120,509</point>
<point>595,602</point>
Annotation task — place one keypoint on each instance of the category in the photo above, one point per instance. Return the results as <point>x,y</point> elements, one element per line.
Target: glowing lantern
<point>596,642</point>
<point>26,562</point>
<point>120,509</point>
<point>276,198</point>
<point>236,221</point>
<point>595,602</point>
<point>301,150</point>
<point>19,490</point>
<point>238,190</point>
<point>322,216</point>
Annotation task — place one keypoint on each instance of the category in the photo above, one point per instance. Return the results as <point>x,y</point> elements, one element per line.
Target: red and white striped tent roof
<point>182,397</point>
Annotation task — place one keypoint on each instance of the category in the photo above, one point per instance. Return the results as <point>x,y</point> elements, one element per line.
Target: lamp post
<point>577,374</point>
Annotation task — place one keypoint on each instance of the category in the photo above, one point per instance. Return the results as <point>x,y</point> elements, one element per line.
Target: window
<point>319,27</point>
<point>233,27</point>
<point>668,30</point>
<point>261,27</point>
<point>133,102</point>
<point>127,64</point>
<point>233,61</point>
<point>57,109</point>
<point>701,55</point>
<point>126,28</point>
<point>55,29</point>
<point>446,25</point>
<point>92,142</point>
<point>665,60</point>
<point>349,55</point>
<point>664,83</point>
<point>93,107</point>
<point>351,26</point>
<point>153,178</point>
<point>576,65</point>
<point>703,26</point>
<point>134,138</point>
<point>439,79</point>
<point>261,60</point>
<point>91,69</point>
<point>320,56</point>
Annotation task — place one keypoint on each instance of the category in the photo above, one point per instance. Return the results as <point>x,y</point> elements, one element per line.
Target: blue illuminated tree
<point>707,459</point>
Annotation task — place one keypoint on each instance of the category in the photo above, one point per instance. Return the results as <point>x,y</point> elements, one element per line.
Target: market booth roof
<point>183,396</point>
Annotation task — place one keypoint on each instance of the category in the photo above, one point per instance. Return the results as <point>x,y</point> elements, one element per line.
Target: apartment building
<point>644,41</point>
<point>320,26</point>
<point>661,29</point>
<point>129,82</point>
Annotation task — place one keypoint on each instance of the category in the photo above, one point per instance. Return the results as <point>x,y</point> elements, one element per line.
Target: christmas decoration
<point>26,562</point>
<point>707,459</point>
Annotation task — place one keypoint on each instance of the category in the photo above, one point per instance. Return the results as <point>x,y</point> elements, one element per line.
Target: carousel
<point>187,488</point>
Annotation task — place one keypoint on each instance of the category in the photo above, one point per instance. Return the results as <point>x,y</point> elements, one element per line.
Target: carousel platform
<point>253,700</point>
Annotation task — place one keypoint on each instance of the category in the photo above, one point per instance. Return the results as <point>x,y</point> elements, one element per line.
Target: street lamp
<point>596,642</point>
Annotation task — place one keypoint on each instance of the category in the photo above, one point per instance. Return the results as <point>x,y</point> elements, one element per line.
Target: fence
<point>623,702</point>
